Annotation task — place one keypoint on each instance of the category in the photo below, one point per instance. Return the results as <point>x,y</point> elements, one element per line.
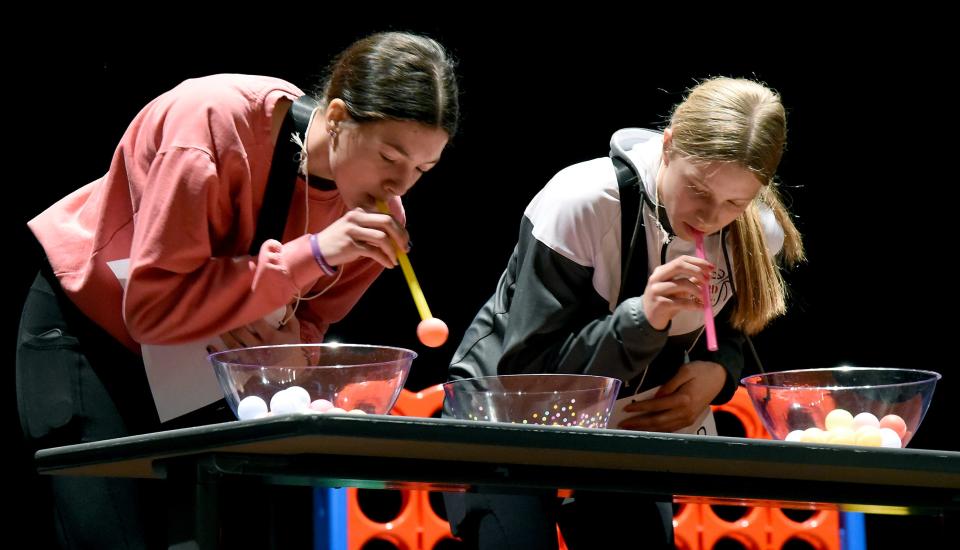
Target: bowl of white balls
<point>265,381</point>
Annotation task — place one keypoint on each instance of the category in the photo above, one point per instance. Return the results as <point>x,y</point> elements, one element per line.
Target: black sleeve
<point>558,323</point>
<point>729,352</point>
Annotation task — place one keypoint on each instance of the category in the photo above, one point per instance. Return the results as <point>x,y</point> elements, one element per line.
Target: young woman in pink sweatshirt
<point>186,200</point>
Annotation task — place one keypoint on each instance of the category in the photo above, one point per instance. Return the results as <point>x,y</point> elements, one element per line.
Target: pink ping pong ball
<point>895,423</point>
<point>432,332</point>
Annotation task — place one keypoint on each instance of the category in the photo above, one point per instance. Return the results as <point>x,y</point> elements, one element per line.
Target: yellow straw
<point>418,298</point>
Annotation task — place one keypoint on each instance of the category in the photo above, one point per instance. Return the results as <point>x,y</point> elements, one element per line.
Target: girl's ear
<point>335,114</point>
<point>667,144</point>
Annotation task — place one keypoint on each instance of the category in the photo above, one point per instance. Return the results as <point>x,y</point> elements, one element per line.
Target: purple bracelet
<point>317,255</point>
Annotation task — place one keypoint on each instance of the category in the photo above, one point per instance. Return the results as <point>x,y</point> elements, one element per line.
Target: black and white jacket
<point>555,308</point>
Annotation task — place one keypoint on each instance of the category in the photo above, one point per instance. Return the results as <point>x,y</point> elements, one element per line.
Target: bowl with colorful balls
<point>846,405</point>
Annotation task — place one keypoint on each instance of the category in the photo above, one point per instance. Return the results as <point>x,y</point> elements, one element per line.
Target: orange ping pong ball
<point>432,332</point>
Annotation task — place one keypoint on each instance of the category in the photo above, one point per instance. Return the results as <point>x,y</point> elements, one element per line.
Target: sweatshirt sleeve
<point>558,324</point>
<point>181,287</point>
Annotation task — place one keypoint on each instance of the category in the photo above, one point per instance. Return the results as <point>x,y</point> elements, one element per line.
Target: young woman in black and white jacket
<point>561,305</point>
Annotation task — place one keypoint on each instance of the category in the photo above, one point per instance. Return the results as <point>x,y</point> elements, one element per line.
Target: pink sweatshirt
<point>181,200</point>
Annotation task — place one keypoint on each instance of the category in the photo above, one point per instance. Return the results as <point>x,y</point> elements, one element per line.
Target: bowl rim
<point>451,383</point>
<point>933,376</point>
<point>212,358</point>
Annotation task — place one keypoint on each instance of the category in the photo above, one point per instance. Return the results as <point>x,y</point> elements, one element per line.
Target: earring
<point>333,134</point>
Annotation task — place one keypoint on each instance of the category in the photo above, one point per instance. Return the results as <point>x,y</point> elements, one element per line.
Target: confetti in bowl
<point>538,399</point>
<point>873,407</point>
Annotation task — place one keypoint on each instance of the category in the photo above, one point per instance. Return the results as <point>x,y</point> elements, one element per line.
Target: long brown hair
<point>397,76</point>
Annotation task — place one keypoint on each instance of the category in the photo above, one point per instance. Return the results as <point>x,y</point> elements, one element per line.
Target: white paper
<point>181,377</point>
<point>704,425</point>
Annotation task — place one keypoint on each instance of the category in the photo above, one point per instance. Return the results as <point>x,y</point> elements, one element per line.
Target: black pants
<point>75,384</point>
<point>529,522</point>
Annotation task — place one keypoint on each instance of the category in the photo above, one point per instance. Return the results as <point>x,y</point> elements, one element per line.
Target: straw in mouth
<point>431,331</point>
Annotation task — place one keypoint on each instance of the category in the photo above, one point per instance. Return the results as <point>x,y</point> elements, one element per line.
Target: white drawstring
<point>302,158</point>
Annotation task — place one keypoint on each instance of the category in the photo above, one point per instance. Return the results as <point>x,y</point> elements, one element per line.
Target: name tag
<point>704,425</point>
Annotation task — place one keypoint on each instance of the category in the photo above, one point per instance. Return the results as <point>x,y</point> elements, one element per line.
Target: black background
<point>870,169</point>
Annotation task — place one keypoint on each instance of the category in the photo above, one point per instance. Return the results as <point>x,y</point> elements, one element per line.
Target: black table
<point>443,454</point>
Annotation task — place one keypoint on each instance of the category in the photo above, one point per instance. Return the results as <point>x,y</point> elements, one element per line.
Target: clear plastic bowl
<point>311,378</point>
<point>842,403</point>
<point>542,399</point>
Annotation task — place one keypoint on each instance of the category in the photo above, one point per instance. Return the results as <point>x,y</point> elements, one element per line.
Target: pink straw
<point>707,306</point>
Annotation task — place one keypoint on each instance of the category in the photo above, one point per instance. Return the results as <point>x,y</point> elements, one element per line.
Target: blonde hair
<point>741,121</point>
